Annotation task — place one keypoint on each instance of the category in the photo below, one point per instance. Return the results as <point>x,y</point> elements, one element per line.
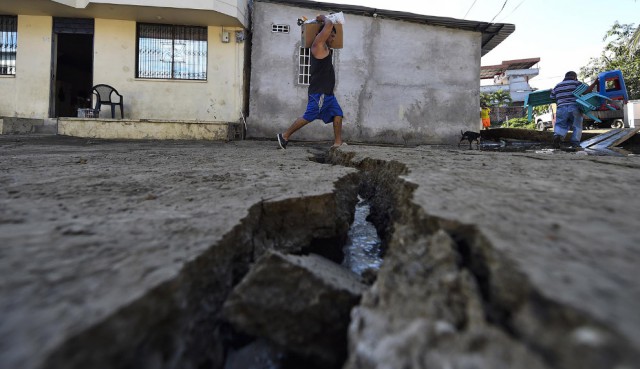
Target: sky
<point>564,34</point>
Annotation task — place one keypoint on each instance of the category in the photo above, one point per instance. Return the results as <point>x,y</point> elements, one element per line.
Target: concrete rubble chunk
<point>299,302</point>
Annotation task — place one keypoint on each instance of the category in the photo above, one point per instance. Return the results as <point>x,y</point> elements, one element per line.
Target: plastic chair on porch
<point>107,95</point>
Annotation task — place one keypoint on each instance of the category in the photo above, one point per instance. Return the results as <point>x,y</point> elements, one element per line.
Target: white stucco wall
<point>26,95</point>
<point>397,82</point>
<point>217,99</point>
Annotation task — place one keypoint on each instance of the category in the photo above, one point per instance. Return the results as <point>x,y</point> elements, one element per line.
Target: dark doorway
<point>72,66</point>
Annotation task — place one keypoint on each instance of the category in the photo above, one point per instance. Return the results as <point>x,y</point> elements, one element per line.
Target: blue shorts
<point>321,106</point>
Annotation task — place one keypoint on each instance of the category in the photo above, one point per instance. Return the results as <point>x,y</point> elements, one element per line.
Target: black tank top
<point>323,77</point>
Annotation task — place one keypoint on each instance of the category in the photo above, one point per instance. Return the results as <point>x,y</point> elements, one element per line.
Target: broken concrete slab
<point>121,253</point>
<point>301,303</point>
<point>426,311</point>
<point>617,138</point>
<point>547,283</point>
<point>594,140</point>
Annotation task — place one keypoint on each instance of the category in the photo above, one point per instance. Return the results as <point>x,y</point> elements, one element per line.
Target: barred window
<point>8,44</point>
<point>280,28</point>
<point>171,52</point>
<point>304,64</point>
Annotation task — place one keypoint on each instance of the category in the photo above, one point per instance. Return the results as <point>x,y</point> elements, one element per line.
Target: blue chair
<point>589,102</point>
<point>537,98</point>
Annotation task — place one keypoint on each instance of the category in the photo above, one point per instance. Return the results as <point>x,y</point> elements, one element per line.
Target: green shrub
<point>519,123</point>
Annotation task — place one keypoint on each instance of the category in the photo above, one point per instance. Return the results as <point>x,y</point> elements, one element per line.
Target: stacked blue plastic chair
<point>588,102</point>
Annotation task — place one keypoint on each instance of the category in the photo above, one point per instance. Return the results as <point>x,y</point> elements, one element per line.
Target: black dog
<point>470,136</point>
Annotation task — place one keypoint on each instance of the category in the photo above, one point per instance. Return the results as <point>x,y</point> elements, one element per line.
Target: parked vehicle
<point>545,120</point>
<point>603,107</point>
<point>609,112</point>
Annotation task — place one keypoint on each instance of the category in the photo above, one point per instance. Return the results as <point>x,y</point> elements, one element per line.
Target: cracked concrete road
<point>89,226</point>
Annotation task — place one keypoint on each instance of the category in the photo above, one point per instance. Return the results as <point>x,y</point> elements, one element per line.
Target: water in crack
<point>362,250</point>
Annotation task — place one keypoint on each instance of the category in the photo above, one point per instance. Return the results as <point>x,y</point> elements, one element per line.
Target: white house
<point>402,78</point>
<point>511,76</point>
<point>173,61</point>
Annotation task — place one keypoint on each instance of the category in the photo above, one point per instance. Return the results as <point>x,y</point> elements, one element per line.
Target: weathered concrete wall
<point>26,95</point>
<point>10,125</point>
<point>217,99</point>
<point>397,82</point>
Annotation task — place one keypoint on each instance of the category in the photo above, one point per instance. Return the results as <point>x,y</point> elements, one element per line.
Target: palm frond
<point>635,41</point>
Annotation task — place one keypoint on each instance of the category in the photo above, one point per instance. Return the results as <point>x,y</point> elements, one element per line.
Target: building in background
<point>512,76</point>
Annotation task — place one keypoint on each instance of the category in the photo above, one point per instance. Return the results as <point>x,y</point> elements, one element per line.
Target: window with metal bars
<point>304,64</point>
<point>8,44</point>
<point>167,51</point>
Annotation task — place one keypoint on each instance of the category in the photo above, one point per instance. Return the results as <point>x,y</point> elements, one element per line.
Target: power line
<point>465,14</point>
<point>514,9</point>
<point>501,9</point>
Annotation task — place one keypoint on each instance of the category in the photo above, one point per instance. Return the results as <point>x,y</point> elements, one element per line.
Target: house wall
<point>397,82</point>
<point>233,8</point>
<point>26,95</point>
<point>220,98</point>
<point>217,99</point>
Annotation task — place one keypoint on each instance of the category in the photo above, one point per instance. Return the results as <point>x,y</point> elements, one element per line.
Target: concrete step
<point>46,129</point>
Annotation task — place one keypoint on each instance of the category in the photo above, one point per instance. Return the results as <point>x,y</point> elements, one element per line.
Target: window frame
<point>304,64</point>
<point>11,23</point>
<point>140,73</point>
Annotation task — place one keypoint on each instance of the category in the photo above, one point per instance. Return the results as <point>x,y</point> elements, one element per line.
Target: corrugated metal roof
<point>492,33</point>
<point>489,71</point>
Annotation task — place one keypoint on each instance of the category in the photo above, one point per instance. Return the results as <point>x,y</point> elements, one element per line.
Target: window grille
<point>280,28</point>
<point>171,52</point>
<point>304,64</point>
<point>8,44</point>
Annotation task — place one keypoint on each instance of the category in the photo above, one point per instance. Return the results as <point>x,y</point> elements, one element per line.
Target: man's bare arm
<point>319,47</point>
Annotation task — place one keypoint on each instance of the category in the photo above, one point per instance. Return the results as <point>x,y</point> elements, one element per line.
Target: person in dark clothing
<point>322,103</point>
<point>568,114</point>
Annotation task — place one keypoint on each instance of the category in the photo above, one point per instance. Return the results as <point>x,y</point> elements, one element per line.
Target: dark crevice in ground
<point>178,324</point>
<point>550,330</point>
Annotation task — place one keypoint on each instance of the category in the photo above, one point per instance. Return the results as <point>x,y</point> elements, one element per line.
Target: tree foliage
<point>635,41</point>
<point>491,99</point>
<point>619,53</point>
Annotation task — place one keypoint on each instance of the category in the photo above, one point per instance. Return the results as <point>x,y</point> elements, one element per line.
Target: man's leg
<point>577,127</point>
<point>283,138</point>
<point>299,123</point>
<point>337,131</point>
<point>562,126</point>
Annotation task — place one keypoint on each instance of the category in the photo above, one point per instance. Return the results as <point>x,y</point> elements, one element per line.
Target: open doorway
<point>72,68</point>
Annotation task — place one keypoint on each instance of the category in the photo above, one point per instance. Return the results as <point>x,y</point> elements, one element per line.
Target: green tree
<point>618,54</point>
<point>491,99</point>
<point>486,99</point>
<point>635,41</point>
<point>501,98</point>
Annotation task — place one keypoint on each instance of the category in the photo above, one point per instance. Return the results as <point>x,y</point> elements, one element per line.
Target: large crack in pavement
<point>445,297</point>
<point>178,324</point>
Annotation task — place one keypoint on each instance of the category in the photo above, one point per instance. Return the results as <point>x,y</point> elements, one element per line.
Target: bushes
<point>519,123</point>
